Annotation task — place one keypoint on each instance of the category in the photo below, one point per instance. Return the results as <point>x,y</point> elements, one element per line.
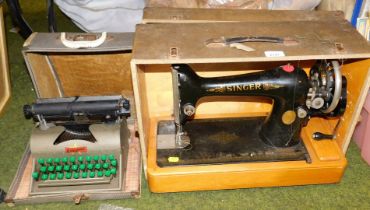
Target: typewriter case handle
<point>83,40</point>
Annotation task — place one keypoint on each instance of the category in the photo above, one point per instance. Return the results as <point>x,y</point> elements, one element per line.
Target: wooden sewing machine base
<point>327,166</point>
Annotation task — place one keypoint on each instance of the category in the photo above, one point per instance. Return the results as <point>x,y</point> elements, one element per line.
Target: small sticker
<point>288,68</point>
<point>173,159</point>
<point>75,149</point>
<point>271,54</point>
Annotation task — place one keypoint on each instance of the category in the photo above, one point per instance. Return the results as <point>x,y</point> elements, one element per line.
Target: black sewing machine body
<point>277,84</point>
<point>295,95</point>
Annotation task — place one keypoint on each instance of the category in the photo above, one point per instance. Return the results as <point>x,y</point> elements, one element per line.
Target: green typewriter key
<point>68,175</point>
<point>65,160</point>
<point>43,169</point>
<point>82,166</point>
<point>74,167</point>
<point>113,171</point>
<point>41,161</point>
<point>88,159</point>
<point>84,175</point>
<point>51,168</point>
<point>60,175</point>
<point>114,162</point>
<point>107,173</point>
<point>92,174</point>
<point>76,175</point>
<point>52,176</point>
<point>66,167</point>
<point>44,177</point>
<point>90,166</point>
<point>72,159</point>
<point>57,160</point>
<point>111,157</point>
<point>59,168</point>
<point>49,160</point>
<point>100,173</point>
<point>35,175</point>
<point>106,165</point>
<point>96,158</point>
<point>97,166</point>
<point>80,159</point>
<point>103,158</point>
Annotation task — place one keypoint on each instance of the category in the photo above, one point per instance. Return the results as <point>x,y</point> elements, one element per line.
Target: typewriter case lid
<point>185,42</point>
<point>60,71</point>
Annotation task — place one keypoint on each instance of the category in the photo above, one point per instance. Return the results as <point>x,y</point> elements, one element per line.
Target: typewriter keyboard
<point>83,172</point>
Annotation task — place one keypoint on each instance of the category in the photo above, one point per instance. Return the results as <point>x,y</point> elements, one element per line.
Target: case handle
<point>83,44</point>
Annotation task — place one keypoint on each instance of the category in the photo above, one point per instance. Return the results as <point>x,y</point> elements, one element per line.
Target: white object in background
<point>338,5</point>
<point>104,15</point>
<point>365,9</point>
<point>293,4</point>
<point>361,25</point>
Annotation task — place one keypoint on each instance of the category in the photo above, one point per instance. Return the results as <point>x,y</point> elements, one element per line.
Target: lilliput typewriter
<point>296,98</point>
<point>78,143</point>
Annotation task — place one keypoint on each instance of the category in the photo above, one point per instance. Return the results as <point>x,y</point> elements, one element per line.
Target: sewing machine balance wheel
<point>337,87</point>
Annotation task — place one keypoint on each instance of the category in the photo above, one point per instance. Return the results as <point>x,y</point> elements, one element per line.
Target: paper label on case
<point>274,54</point>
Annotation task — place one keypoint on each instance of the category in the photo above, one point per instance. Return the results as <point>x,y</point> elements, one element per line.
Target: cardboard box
<point>198,15</point>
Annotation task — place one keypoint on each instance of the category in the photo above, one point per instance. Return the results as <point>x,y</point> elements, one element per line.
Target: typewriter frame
<point>153,93</point>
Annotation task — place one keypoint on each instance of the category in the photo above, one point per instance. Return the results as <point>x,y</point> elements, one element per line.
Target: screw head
<point>189,110</point>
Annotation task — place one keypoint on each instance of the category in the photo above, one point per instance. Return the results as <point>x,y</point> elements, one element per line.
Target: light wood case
<point>157,46</point>
<point>4,68</point>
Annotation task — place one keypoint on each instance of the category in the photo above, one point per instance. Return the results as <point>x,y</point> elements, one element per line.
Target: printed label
<point>75,149</point>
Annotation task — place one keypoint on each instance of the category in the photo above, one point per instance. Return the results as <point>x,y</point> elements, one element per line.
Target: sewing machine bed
<point>219,141</point>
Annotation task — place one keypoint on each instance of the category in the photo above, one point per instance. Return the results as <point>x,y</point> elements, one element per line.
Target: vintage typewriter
<point>79,144</point>
<point>296,95</point>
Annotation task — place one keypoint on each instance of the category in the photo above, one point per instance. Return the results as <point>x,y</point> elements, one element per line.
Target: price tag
<point>274,54</point>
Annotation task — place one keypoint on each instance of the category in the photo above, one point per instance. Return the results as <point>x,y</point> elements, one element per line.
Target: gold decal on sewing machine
<point>217,89</point>
<point>236,88</point>
<point>268,86</point>
<point>288,117</point>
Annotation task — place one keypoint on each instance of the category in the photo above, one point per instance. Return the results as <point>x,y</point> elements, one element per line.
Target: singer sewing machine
<point>277,137</point>
<point>259,114</point>
<point>77,145</point>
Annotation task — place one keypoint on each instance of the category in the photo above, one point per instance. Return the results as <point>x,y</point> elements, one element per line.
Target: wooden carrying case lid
<point>59,71</point>
<point>4,68</point>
